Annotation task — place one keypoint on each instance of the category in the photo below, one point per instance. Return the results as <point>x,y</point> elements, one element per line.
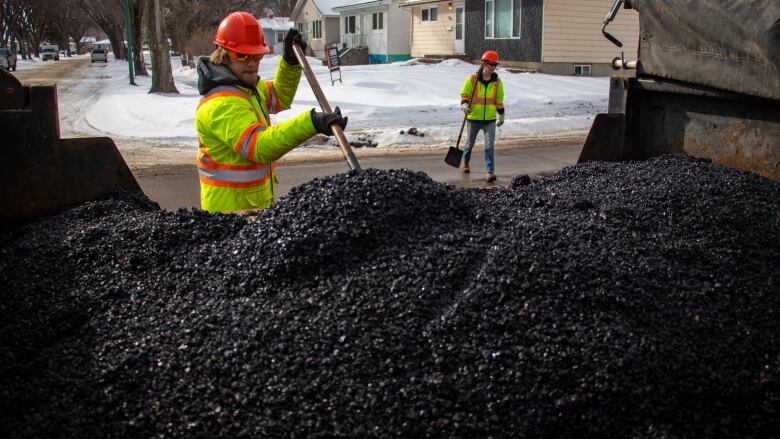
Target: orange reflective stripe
<point>236,178</point>
<point>483,101</point>
<point>220,94</point>
<point>244,141</point>
<point>233,184</point>
<point>274,105</point>
<point>226,167</point>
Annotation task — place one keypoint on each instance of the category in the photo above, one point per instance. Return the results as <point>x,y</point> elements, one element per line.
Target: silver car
<point>98,55</point>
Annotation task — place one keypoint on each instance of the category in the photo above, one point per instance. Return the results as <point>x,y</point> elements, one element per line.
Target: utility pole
<point>129,44</point>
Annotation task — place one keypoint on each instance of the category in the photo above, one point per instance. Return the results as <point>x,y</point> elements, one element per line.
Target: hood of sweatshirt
<point>211,75</point>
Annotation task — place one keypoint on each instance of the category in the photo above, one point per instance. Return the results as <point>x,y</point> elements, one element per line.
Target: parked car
<point>51,51</point>
<point>98,55</point>
<point>7,58</point>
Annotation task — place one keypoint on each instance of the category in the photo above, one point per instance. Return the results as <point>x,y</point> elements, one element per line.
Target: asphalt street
<point>178,187</point>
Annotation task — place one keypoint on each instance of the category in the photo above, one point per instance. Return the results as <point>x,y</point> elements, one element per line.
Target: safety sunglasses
<point>240,57</point>
<point>492,64</point>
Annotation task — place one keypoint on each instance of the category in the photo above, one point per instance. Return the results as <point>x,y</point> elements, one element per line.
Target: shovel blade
<point>453,157</point>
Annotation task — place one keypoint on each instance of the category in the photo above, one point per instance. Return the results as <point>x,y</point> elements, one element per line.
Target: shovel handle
<point>315,87</point>
<point>461,130</point>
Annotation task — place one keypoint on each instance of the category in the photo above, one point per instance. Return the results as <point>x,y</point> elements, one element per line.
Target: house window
<point>502,18</point>
<point>581,69</point>
<point>279,37</point>
<point>377,21</point>
<point>349,24</point>
<point>302,27</point>
<point>317,29</point>
<point>429,14</point>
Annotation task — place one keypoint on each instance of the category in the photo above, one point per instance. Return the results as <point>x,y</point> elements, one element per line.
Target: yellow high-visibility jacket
<point>488,98</point>
<point>237,144</point>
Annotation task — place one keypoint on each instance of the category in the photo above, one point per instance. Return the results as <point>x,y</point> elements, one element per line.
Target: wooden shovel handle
<point>315,87</point>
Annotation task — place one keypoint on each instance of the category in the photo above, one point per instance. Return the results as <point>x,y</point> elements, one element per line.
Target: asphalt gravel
<point>637,299</point>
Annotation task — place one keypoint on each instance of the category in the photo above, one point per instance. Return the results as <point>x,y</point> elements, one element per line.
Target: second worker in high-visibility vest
<point>484,107</point>
<point>237,143</point>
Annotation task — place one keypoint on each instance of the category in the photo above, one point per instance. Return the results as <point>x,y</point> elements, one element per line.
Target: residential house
<point>274,30</point>
<point>318,23</point>
<point>436,28</point>
<point>380,27</point>
<point>551,36</point>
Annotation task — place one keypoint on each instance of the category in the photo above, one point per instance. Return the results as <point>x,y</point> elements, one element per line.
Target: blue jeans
<point>489,128</point>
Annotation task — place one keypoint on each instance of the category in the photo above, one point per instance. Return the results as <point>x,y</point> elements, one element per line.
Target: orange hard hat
<point>240,32</point>
<point>490,56</point>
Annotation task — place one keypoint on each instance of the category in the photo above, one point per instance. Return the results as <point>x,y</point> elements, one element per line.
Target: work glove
<point>465,107</point>
<point>323,121</point>
<point>293,36</point>
<point>500,120</point>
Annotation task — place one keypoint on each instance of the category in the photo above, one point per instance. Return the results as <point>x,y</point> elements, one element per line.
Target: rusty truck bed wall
<point>664,117</point>
<point>45,174</point>
<point>731,45</point>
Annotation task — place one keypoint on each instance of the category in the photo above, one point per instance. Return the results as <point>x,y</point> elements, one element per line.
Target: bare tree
<point>108,16</point>
<point>279,8</point>
<point>32,21</point>
<point>190,22</point>
<point>162,76</point>
<point>72,23</point>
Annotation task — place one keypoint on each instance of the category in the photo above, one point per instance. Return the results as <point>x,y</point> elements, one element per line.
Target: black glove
<point>323,121</point>
<point>293,36</point>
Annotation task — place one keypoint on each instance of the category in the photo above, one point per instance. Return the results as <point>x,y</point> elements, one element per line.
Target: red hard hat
<point>490,56</point>
<point>240,32</point>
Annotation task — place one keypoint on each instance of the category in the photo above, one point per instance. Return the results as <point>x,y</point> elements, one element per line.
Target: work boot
<point>490,177</point>
<point>465,167</point>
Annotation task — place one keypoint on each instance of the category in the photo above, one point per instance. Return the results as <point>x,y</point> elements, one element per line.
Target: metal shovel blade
<point>453,157</point>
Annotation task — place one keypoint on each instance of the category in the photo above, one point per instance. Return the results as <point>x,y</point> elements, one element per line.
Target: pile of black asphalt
<point>638,299</point>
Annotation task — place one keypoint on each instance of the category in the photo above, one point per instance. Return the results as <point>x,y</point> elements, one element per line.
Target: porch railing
<point>352,41</point>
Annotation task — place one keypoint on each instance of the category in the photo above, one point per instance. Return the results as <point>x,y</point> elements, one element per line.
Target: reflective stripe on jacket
<point>238,145</point>
<point>487,99</point>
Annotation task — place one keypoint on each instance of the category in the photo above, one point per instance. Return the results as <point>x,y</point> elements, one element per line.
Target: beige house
<point>571,36</point>
<point>318,23</point>
<point>433,28</point>
<point>551,36</point>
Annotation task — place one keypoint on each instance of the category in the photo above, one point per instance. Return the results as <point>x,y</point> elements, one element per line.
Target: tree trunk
<point>136,16</point>
<point>162,76</point>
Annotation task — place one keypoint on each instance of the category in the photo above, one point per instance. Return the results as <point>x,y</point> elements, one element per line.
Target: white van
<point>50,51</point>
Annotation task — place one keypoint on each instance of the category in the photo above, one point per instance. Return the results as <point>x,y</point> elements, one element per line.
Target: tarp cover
<point>731,45</point>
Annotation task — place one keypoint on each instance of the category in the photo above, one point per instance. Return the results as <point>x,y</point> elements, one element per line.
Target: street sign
<point>334,63</point>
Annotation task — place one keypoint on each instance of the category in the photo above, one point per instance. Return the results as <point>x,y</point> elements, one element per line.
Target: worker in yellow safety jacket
<point>237,143</point>
<point>482,99</point>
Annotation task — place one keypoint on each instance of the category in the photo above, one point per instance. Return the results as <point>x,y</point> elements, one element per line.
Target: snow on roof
<point>276,23</point>
<point>409,3</point>
<point>356,4</point>
<point>324,6</point>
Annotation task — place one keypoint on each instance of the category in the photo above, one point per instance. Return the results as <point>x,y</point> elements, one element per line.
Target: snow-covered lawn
<point>381,100</point>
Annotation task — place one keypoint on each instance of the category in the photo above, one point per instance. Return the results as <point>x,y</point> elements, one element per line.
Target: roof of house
<point>357,4</point>
<point>324,6</point>
<point>276,23</point>
<point>409,3</point>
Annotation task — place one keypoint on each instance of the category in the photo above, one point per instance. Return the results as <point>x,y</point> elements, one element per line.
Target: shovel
<point>315,87</point>
<point>455,154</point>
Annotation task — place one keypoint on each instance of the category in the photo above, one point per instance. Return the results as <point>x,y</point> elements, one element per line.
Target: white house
<point>318,23</point>
<point>380,26</point>
<point>274,30</point>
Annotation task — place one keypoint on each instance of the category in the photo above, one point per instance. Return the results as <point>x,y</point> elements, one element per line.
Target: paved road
<point>168,175</point>
<point>174,187</point>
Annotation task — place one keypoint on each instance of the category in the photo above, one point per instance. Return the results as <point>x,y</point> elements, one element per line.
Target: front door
<point>458,47</point>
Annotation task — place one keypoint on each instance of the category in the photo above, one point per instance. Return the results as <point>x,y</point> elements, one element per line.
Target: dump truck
<point>706,83</point>
<point>46,174</point>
